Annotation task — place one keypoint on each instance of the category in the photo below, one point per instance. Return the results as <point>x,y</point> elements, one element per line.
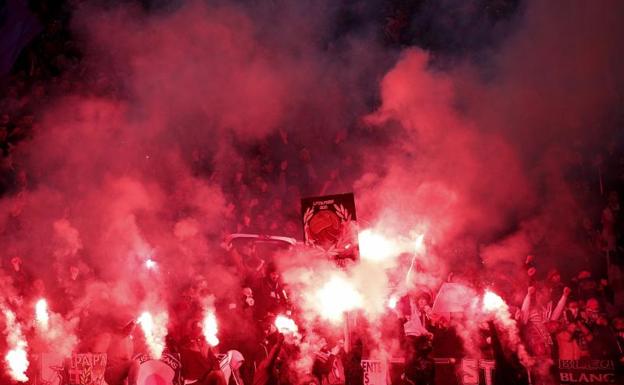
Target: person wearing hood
<point>270,294</point>
<point>266,372</point>
<point>200,366</point>
<point>230,366</point>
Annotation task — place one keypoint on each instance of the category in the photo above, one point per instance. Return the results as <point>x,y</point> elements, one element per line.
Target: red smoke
<point>140,168</point>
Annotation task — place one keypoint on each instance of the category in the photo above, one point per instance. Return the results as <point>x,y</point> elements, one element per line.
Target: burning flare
<point>41,314</point>
<point>393,301</point>
<point>336,297</point>
<point>155,330</point>
<point>210,328</point>
<point>286,325</point>
<point>375,247</point>
<point>16,358</point>
<point>492,301</point>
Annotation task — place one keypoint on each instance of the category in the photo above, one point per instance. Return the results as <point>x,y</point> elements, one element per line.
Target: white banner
<point>375,372</point>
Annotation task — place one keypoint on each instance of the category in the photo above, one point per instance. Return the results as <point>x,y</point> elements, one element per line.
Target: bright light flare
<point>147,322</point>
<point>393,301</point>
<point>375,247</point>
<point>41,313</point>
<point>286,325</point>
<point>150,264</point>
<point>210,329</point>
<point>17,361</point>
<point>154,330</point>
<point>492,301</point>
<point>336,297</point>
<point>16,358</point>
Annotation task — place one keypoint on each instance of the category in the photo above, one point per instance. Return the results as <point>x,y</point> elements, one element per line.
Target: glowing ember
<point>210,329</point>
<point>41,313</point>
<point>375,247</point>
<point>336,297</point>
<point>492,301</point>
<point>16,358</point>
<point>285,325</point>
<point>155,330</point>
<point>150,264</point>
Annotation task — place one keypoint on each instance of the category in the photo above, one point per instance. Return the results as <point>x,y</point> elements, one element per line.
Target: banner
<point>586,372</point>
<point>453,298</point>
<point>50,369</point>
<point>449,371</point>
<point>166,370</point>
<point>375,372</point>
<point>87,369</point>
<point>475,372</point>
<point>329,224</point>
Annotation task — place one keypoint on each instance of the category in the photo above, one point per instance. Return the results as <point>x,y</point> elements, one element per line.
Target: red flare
<point>286,325</point>
<point>336,297</point>
<point>492,301</point>
<point>41,314</point>
<point>155,331</point>
<point>210,328</point>
<point>16,358</point>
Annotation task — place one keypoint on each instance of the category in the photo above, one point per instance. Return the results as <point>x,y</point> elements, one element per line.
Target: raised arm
<point>560,305</point>
<point>526,305</point>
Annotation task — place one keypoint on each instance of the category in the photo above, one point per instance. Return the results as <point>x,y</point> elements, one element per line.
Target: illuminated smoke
<point>419,250</point>
<point>336,297</point>
<point>286,325</point>
<point>54,331</point>
<point>210,328</point>
<point>419,244</point>
<point>16,358</point>
<point>41,314</point>
<point>459,188</point>
<point>155,331</point>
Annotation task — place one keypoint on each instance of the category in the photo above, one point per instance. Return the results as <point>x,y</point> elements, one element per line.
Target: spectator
<point>270,293</point>
<point>572,312</point>
<point>603,343</point>
<point>592,311</point>
<point>266,372</point>
<point>587,287</point>
<point>612,225</point>
<point>199,364</point>
<point>536,312</point>
<point>230,366</point>
<point>327,367</point>
<point>618,328</point>
<point>554,285</point>
<point>572,341</point>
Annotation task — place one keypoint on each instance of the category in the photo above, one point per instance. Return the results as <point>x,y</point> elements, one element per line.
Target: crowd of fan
<point>570,320</point>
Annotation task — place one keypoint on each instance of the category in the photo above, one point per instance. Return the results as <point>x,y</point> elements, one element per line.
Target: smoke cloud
<point>214,117</point>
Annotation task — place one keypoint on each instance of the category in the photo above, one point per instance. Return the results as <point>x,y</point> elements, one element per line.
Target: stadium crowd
<point>570,312</point>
